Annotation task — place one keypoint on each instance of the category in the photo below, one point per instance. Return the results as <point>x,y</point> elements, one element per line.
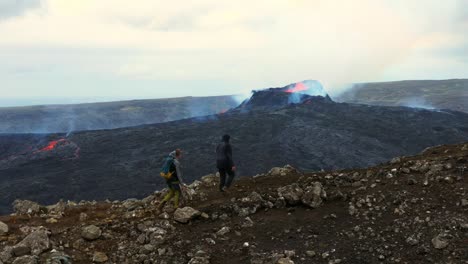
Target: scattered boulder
<point>3,228</point>
<point>37,242</point>
<point>100,257</point>
<point>91,232</point>
<point>57,257</point>
<point>285,261</point>
<point>439,242</point>
<point>184,215</point>
<point>223,231</point>
<point>26,260</point>
<point>291,193</point>
<point>26,207</point>
<point>464,202</point>
<point>199,260</point>
<point>313,195</point>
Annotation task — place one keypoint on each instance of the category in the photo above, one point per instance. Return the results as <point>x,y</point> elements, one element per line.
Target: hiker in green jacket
<point>172,172</point>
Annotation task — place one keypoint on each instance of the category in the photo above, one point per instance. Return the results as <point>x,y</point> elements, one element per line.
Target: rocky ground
<point>409,210</point>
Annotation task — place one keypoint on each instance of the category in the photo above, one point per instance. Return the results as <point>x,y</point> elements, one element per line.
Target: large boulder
<point>184,215</point>
<point>91,232</point>
<point>314,195</point>
<point>26,260</point>
<point>26,207</point>
<point>3,228</point>
<point>291,193</point>
<point>38,241</point>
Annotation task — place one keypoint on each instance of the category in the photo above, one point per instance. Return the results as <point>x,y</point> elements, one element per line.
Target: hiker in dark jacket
<point>225,163</point>
<point>174,182</point>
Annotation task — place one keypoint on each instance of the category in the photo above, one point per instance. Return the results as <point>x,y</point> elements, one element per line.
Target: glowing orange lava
<point>51,145</point>
<point>299,87</point>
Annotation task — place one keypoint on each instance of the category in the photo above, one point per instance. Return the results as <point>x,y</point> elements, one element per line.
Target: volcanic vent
<point>274,98</point>
<point>54,148</point>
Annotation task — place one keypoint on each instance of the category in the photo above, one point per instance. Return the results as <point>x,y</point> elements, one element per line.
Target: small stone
<point>285,261</point>
<point>439,242</point>
<point>51,221</point>
<point>100,257</point>
<point>83,217</point>
<point>464,202</point>
<point>223,231</point>
<point>412,241</point>
<point>310,253</point>
<point>184,215</point>
<point>26,260</point>
<point>91,232</point>
<point>164,215</point>
<point>412,180</point>
<point>205,216</point>
<point>3,228</point>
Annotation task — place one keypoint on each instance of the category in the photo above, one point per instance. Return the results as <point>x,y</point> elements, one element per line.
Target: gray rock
<point>464,202</point>
<point>91,232</point>
<point>56,257</point>
<point>3,228</point>
<point>412,241</point>
<point>100,257</point>
<point>6,254</point>
<point>184,215</point>
<point>311,253</point>
<point>26,207</point>
<point>285,261</point>
<point>314,195</point>
<point>19,251</point>
<point>223,231</point>
<point>199,260</point>
<point>439,242</point>
<point>291,193</point>
<point>83,217</point>
<point>247,222</point>
<point>38,241</point>
<point>412,180</point>
<point>26,260</point>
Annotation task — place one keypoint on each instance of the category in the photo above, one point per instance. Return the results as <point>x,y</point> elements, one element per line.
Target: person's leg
<point>166,198</point>
<point>222,178</point>
<point>230,178</point>
<point>176,198</point>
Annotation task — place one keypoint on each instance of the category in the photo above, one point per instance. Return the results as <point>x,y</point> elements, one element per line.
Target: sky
<point>59,50</point>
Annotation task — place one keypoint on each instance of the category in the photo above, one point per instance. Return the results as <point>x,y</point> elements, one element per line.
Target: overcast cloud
<point>155,48</point>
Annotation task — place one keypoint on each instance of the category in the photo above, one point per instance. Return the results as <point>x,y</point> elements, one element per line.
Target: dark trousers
<point>226,181</point>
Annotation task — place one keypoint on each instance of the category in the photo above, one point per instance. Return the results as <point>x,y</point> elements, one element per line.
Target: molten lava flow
<point>51,145</point>
<point>299,87</point>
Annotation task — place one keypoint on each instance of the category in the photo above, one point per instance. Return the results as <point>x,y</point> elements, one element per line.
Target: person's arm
<point>179,171</point>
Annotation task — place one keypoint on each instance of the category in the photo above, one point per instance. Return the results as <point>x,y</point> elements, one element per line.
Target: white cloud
<point>254,44</point>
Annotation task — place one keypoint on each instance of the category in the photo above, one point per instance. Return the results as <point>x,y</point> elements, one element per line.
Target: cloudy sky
<point>154,48</point>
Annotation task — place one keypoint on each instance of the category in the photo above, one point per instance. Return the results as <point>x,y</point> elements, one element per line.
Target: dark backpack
<point>166,172</point>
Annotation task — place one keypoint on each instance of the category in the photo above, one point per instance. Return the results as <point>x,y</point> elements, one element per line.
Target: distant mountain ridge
<point>439,94</point>
<point>108,115</point>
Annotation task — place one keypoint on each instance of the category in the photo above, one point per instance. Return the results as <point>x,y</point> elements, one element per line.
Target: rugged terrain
<point>276,127</point>
<point>443,94</point>
<point>92,116</point>
<point>409,210</point>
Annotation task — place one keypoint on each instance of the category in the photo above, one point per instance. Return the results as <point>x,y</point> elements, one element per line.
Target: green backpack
<point>165,170</point>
